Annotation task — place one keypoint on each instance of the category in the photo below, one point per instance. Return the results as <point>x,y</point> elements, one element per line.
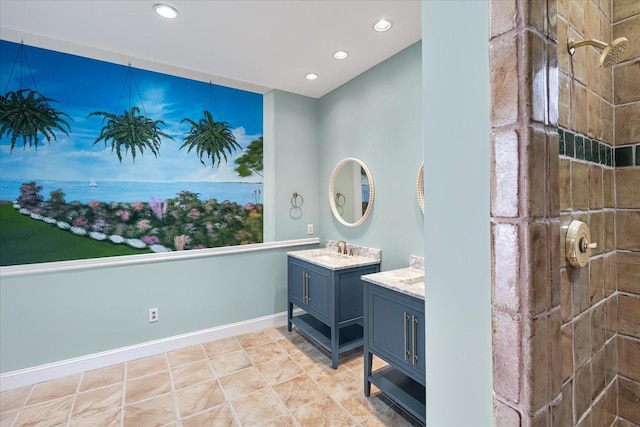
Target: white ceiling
<point>251,44</point>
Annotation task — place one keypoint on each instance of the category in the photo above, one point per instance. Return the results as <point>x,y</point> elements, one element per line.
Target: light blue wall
<point>377,117</point>
<point>291,165</point>
<point>457,222</point>
<point>52,317</point>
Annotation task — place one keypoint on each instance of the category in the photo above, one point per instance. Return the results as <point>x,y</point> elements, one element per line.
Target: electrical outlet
<point>153,315</point>
<point>309,228</point>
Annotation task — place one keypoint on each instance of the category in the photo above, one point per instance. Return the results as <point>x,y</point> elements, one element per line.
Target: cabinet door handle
<point>406,337</point>
<point>304,286</point>
<point>308,297</point>
<point>414,343</point>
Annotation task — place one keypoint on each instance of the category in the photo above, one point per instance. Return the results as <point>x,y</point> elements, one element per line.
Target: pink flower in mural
<point>137,206</point>
<point>144,224</point>
<point>248,206</point>
<point>94,204</point>
<point>123,215</point>
<point>158,207</point>
<point>150,240</point>
<point>81,222</point>
<point>179,242</point>
<point>194,214</point>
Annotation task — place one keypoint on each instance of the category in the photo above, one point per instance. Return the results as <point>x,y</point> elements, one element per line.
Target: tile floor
<point>266,378</point>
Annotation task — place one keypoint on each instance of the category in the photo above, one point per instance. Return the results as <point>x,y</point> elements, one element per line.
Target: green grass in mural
<point>27,241</point>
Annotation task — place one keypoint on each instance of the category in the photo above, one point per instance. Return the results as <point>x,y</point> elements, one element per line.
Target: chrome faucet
<point>343,251</point>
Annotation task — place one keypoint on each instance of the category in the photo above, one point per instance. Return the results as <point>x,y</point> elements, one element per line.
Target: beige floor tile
<point>193,373</point>
<point>223,346</point>
<point>358,387</point>
<point>220,415</point>
<point>295,343</point>
<point>199,397</point>
<point>279,332</point>
<point>355,364</point>
<point>357,404</point>
<point>51,413</point>
<point>186,355</point>
<point>280,370</point>
<point>388,418</point>
<point>267,378</point>
<point>228,363</point>
<point>265,353</point>
<point>54,389</point>
<point>378,363</point>
<point>286,420</point>
<point>146,366</point>
<point>331,379</point>
<point>258,407</point>
<point>110,418</point>
<point>253,339</point>
<point>153,412</point>
<point>102,377</point>
<point>146,387</point>
<point>310,358</point>
<point>14,399</point>
<point>98,400</point>
<point>242,382</point>
<point>6,418</point>
<point>298,391</point>
<point>324,412</point>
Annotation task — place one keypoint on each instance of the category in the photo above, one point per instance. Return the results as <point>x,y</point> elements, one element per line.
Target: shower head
<point>611,53</point>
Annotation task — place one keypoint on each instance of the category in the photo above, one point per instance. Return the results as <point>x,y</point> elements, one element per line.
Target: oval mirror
<point>351,192</point>
<point>420,187</point>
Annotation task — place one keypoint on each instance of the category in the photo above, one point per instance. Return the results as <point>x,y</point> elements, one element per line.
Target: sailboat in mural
<point>93,183</point>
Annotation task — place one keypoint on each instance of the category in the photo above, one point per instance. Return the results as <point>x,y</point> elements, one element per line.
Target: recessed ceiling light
<point>165,11</point>
<point>311,76</point>
<point>341,54</point>
<point>382,25</point>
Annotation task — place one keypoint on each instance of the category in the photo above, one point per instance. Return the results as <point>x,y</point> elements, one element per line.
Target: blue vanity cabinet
<point>394,331</point>
<point>331,302</point>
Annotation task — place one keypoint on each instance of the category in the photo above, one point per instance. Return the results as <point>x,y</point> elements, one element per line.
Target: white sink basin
<point>333,260</point>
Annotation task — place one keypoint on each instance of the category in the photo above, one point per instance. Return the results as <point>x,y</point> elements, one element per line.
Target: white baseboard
<point>50,371</point>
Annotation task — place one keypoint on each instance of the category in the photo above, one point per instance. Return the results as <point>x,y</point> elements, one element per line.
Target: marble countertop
<point>409,281</point>
<point>332,260</point>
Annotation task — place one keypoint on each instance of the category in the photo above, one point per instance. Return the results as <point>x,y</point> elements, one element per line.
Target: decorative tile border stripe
<point>580,147</point>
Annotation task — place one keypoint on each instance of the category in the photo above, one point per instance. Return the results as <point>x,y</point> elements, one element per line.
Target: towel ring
<point>297,200</point>
<point>340,199</point>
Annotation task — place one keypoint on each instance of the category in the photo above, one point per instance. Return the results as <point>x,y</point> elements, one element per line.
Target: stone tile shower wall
<point>587,193</point>
<point>566,340</point>
<point>626,100</point>
<point>525,214</point>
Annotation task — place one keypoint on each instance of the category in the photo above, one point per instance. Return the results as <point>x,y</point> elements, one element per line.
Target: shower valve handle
<point>584,245</point>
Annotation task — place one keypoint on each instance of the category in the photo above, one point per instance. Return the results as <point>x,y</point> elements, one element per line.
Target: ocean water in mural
<point>124,156</point>
<point>128,191</point>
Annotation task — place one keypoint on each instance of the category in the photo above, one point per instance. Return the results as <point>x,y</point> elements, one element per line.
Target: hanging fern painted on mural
<point>210,139</point>
<point>27,115</point>
<point>131,132</point>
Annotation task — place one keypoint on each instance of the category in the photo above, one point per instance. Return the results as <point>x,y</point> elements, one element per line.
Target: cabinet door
<point>389,326</point>
<point>296,283</point>
<point>318,293</point>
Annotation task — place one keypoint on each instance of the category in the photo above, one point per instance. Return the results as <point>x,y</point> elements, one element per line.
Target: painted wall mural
<point>100,159</point>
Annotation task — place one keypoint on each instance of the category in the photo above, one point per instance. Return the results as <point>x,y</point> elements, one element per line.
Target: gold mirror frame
<point>420,187</point>
<point>333,196</point>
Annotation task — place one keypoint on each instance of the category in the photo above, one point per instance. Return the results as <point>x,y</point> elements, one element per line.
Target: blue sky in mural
<point>81,86</point>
